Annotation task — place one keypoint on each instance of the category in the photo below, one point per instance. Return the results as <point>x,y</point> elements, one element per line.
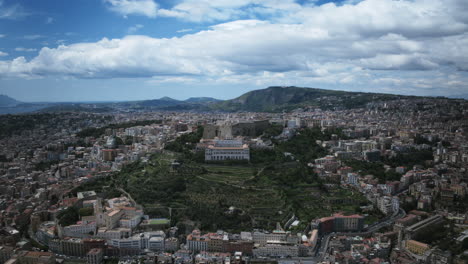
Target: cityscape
<point>189,132</point>
<point>382,183</point>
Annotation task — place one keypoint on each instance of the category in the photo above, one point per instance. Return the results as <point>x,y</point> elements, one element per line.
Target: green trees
<point>186,142</point>
<point>263,155</point>
<point>272,131</point>
<point>45,165</point>
<point>411,158</point>
<point>68,216</point>
<point>304,146</point>
<point>14,124</point>
<point>86,211</point>
<point>232,198</point>
<point>373,168</point>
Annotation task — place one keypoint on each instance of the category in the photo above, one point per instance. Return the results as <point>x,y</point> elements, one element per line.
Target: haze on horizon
<point>116,50</point>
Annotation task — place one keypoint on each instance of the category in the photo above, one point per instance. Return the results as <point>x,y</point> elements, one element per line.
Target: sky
<point>116,50</point>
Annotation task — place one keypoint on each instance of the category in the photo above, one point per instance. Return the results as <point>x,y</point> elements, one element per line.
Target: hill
<point>271,99</point>
<point>6,101</point>
<point>232,197</point>
<point>275,99</point>
<point>201,100</point>
<point>162,102</point>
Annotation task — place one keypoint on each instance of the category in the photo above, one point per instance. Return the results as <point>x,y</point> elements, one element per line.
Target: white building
<point>113,233</point>
<point>352,178</point>
<point>134,242</point>
<point>148,240</point>
<point>156,243</point>
<point>197,244</point>
<point>130,222</point>
<point>384,203</point>
<point>395,204</point>
<point>277,236</point>
<point>227,150</point>
<point>276,250</point>
<point>80,230</point>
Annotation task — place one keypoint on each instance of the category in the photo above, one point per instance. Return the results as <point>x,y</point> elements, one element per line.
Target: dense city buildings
<point>66,191</point>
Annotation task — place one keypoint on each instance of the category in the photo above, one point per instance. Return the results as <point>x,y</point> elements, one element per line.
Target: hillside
<point>6,101</point>
<point>231,197</point>
<point>201,100</point>
<point>271,99</point>
<point>162,102</point>
<point>274,99</point>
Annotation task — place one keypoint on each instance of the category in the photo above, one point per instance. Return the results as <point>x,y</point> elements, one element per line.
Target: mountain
<point>6,101</point>
<point>276,99</point>
<point>166,98</point>
<point>170,104</point>
<point>201,100</point>
<point>162,102</point>
<point>271,99</point>
<point>460,96</point>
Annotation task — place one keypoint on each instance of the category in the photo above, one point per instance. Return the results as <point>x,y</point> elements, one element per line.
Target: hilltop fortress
<point>230,130</point>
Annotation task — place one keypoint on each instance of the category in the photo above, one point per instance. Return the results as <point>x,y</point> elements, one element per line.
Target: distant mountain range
<point>6,101</point>
<point>271,99</point>
<point>167,101</point>
<point>462,96</point>
<point>202,100</point>
<point>276,99</point>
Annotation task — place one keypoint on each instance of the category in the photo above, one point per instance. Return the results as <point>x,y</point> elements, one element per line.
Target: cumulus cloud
<point>419,18</point>
<point>147,8</point>
<point>398,62</point>
<point>340,44</point>
<point>222,10</point>
<point>2,54</point>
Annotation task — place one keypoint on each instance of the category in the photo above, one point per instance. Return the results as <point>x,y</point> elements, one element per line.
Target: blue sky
<point>98,50</point>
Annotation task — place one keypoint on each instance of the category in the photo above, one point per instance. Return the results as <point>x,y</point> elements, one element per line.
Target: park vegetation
<point>233,196</point>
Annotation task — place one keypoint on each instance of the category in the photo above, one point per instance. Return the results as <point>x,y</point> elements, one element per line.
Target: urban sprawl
<point>413,209</point>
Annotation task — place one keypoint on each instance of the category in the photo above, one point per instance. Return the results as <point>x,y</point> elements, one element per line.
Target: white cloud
<point>134,28</point>
<point>340,45</point>
<point>398,62</point>
<point>2,35</point>
<point>21,49</point>
<point>15,11</point>
<point>147,8</point>
<point>49,20</point>
<point>223,10</point>
<point>2,54</point>
<point>184,30</point>
<point>32,37</point>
